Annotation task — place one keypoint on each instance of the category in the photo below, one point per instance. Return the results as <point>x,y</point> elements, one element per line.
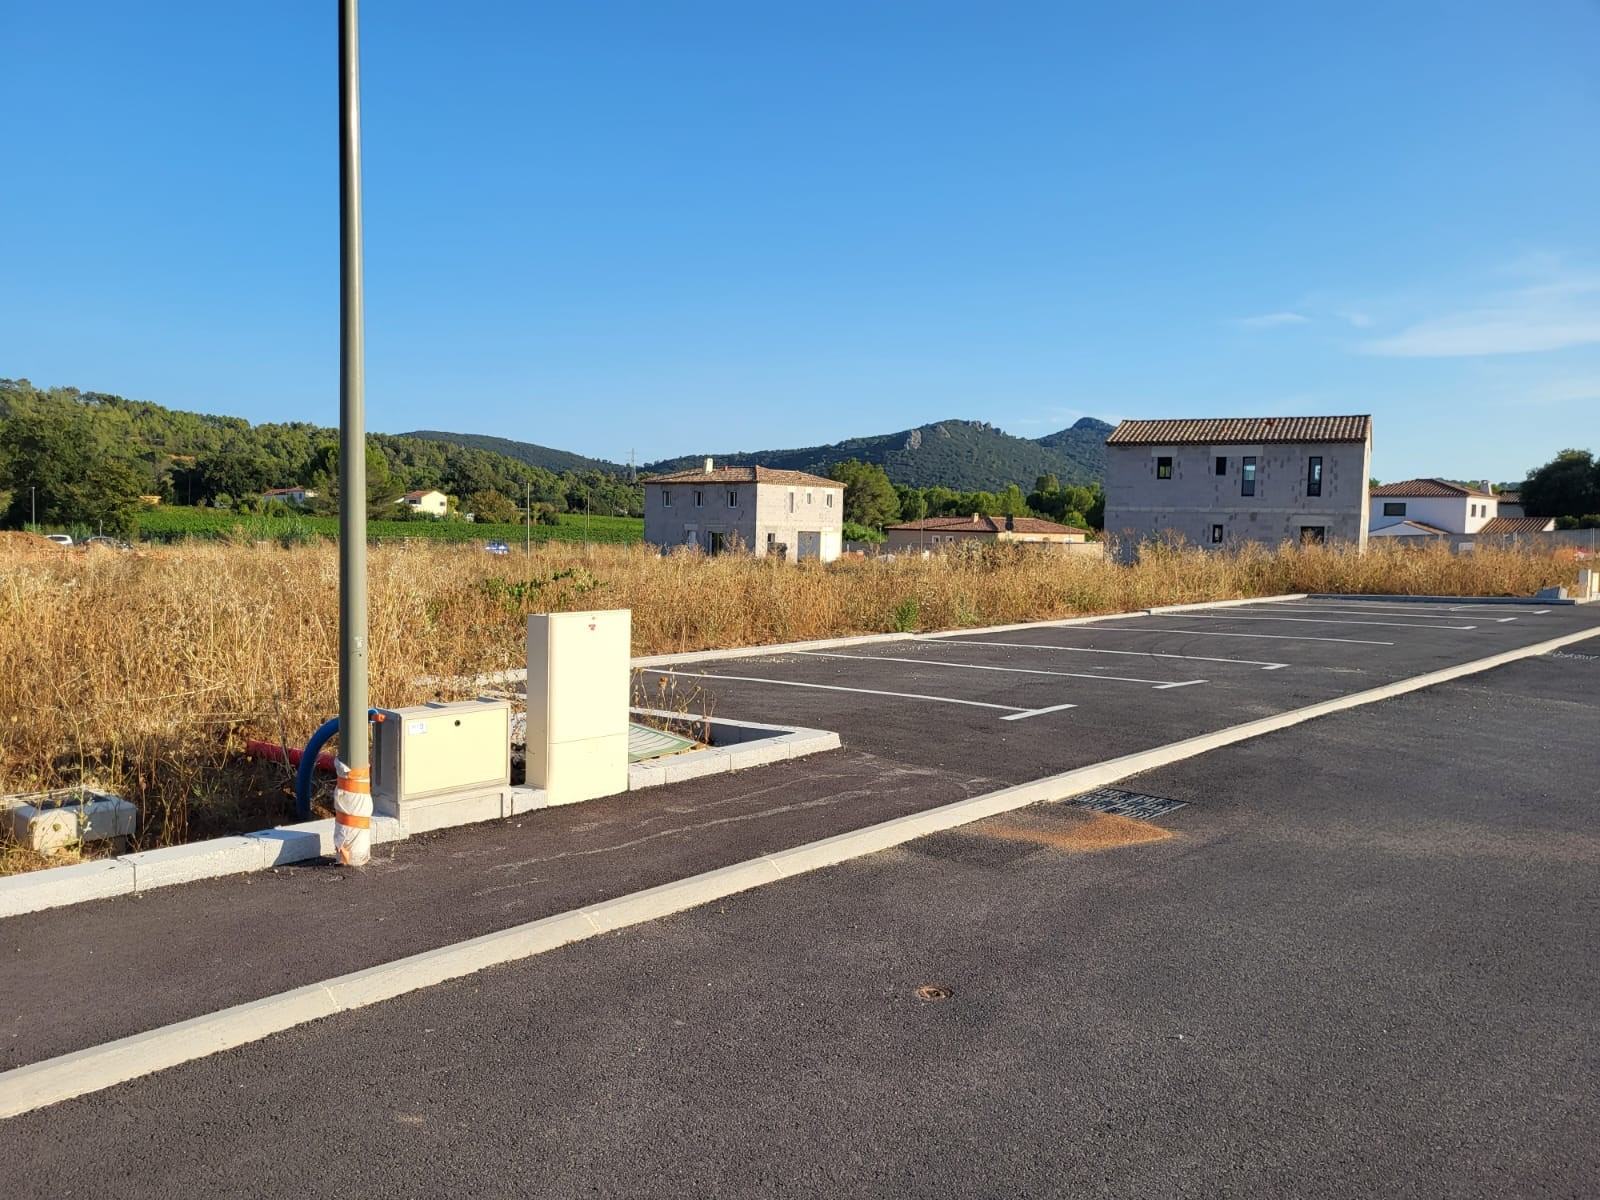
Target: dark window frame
<point>1394,508</point>
<point>1216,535</point>
<point>1247,475</point>
<point>1164,464</point>
<point>666,497</point>
<point>1222,464</point>
<point>1314,475</point>
<point>1320,532</point>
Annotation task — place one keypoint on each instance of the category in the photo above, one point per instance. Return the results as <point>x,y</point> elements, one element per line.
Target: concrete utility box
<point>440,750</point>
<point>578,681</point>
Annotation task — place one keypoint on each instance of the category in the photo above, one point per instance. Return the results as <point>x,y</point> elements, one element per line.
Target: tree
<point>913,504</point>
<point>1011,503</point>
<point>869,497</point>
<point>1566,486</point>
<point>55,461</point>
<point>490,506</point>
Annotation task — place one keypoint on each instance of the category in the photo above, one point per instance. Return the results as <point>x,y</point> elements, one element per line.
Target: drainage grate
<point>1127,804</point>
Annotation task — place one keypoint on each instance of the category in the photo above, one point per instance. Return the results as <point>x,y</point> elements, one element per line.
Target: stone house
<point>757,510</point>
<point>426,500</point>
<point>1216,482</point>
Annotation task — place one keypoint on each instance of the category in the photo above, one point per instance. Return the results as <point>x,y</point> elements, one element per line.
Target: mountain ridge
<point>966,455</point>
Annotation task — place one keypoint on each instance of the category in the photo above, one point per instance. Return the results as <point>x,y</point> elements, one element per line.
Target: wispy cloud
<point>1274,320</point>
<point>1557,311</point>
<point>1360,320</point>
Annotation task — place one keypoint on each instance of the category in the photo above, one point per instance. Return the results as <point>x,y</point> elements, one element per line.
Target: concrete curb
<point>54,1080</point>
<point>749,745</point>
<point>1437,599</point>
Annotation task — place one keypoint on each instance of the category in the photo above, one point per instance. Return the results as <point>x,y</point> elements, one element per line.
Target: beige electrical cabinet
<point>440,749</point>
<point>579,677</point>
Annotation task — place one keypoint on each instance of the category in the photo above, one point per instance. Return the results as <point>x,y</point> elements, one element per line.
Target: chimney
<point>974,518</point>
<point>1487,487</point>
<point>708,466</point>
<point>1011,523</point>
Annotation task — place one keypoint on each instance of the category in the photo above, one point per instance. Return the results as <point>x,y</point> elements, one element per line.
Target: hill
<point>78,451</point>
<point>964,455</point>
<point>545,458</point>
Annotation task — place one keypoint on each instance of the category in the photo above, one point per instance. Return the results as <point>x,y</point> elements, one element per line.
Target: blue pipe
<point>308,764</point>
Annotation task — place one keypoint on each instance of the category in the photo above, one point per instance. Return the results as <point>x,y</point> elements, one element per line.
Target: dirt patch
<point>1090,832</point>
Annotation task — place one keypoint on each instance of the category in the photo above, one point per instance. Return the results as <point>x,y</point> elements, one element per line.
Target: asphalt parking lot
<point>1360,965</point>
<point>1031,702</point>
<point>917,734</point>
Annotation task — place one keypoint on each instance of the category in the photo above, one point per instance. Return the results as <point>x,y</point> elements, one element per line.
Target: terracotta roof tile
<point>745,475</point>
<point>1499,525</point>
<point>1425,488</point>
<point>1241,430</point>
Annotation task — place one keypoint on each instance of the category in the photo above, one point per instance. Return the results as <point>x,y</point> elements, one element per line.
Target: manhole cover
<point>932,991</point>
<point>1126,804</point>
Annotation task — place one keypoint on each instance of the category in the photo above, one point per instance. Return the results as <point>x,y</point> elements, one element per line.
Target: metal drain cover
<point>1127,804</point>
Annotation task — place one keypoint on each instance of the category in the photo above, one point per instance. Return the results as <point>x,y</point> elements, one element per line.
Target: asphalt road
<point>1363,965</point>
<point>116,967</point>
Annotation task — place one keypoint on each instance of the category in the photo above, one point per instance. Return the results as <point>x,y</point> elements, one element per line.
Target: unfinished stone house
<point>754,510</point>
<point>1216,482</point>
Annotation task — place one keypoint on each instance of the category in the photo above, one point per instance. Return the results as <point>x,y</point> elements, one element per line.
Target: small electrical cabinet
<point>579,675</point>
<point>440,749</point>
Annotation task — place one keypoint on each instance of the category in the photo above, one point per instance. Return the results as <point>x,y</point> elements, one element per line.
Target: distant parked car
<point>60,539</point>
<point>106,543</point>
<point>497,548</point>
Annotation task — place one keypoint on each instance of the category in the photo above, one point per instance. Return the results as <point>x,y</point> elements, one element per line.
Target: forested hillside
<point>535,455</point>
<point>965,455</point>
<point>88,456</point>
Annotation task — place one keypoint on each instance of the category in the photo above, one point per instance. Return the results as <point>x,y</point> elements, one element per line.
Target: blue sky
<point>682,227</point>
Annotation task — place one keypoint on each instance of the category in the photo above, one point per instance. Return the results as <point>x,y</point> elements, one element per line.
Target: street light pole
<point>353,799</point>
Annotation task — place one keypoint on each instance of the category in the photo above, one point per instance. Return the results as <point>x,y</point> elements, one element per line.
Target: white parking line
<point>1320,621</point>
<point>1276,637</point>
<point>1538,612</point>
<point>1037,712</point>
<point>933,662</point>
<point>830,687</point>
<point>1243,662</point>
<point>1361,612</point>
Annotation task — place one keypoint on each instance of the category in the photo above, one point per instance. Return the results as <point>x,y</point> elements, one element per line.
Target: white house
<point>289,495</point>
<point>433,503</point>
<point>1431,508</point>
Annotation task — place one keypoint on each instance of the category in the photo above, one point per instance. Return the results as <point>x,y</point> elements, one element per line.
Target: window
<point>808,498</point>
<point>1216,534</point>
<point>1314,476</point>
<point>1313,535</point>
<point>733,497</point>
<point>1247,478</point>
<point>830,499</point>
<point>699,498</point>
<point>1394,508</point>
<point>666,497</point>
<point>1164,467</point>
<point>791,501</point>
<point>715,540</point>
<point>1222,464</point>
<point>772,540</point>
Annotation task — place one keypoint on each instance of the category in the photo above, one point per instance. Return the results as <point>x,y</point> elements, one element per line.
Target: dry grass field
<point>146,671</point>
